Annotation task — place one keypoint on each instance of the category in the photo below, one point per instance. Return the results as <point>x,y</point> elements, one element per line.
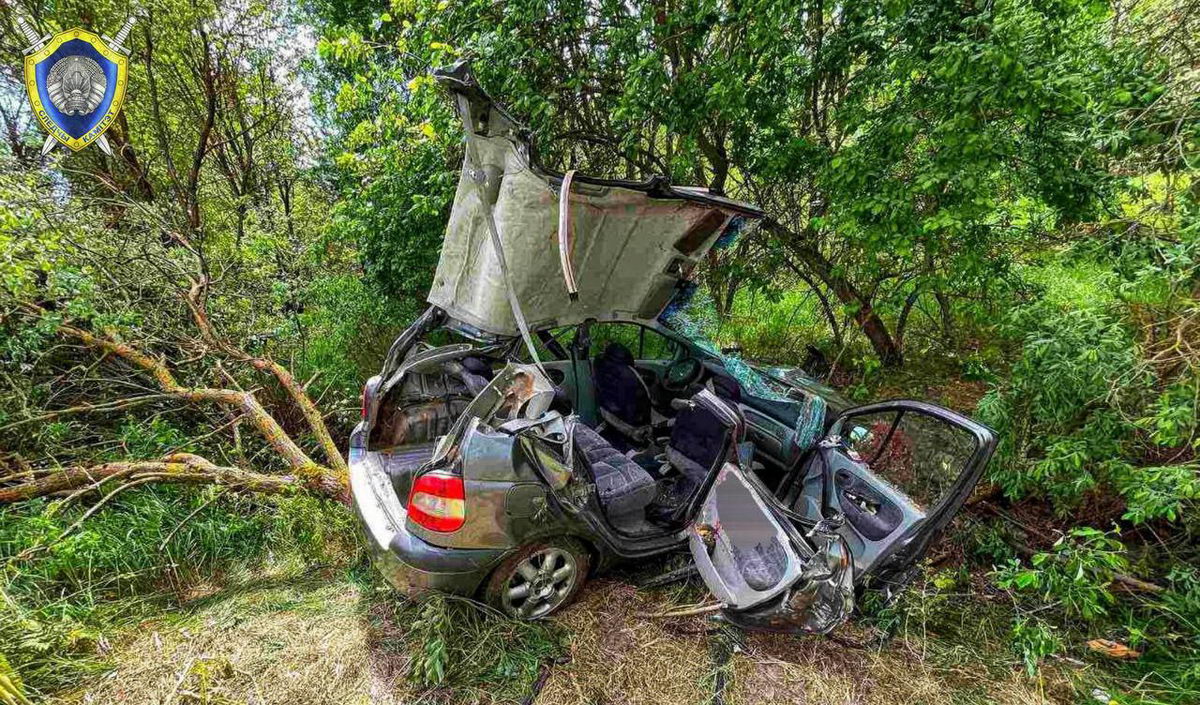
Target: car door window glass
<point>919,454</point>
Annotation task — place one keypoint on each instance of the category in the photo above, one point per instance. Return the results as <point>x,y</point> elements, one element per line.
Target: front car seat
<point>622,397</point>
<point>699,441</point>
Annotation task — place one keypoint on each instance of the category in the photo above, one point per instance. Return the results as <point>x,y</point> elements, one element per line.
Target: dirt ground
<point>295,644</point>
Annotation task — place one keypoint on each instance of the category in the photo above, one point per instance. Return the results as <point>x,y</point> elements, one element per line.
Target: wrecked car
<point>549,415</point>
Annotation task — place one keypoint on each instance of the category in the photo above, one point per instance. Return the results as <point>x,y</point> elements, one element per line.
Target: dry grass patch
<point>287,645</point>
<point>815,670</point>
<point>618,657</point>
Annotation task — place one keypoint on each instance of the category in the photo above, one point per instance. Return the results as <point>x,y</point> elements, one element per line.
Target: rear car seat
<point>625,488</point>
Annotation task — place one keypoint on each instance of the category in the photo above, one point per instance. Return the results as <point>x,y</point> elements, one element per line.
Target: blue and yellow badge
<point>76,83</point>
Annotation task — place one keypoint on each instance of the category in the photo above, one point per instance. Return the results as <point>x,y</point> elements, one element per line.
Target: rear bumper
<point>411,564</point>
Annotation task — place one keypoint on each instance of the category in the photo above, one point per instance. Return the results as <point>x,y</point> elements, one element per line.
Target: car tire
<point>539,578</point>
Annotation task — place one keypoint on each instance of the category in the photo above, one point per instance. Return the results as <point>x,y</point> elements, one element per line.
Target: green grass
<point>61,605</point>
<point>1072,284</point>
<point>256,576</point>
<point>773,330</point>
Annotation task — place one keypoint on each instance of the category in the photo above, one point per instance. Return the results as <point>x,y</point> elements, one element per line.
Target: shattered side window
<point>920,455</point>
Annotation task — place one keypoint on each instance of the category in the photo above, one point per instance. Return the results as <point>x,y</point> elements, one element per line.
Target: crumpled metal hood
<point>633,242</point>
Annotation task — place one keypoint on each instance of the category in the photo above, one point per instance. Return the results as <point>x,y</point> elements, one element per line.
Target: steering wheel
<point>681,374</point>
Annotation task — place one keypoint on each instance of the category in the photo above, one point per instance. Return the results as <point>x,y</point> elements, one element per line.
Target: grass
<point>348,640</point>
<point>773,330</point>
<point>61,607</point>
<point>276,605</point>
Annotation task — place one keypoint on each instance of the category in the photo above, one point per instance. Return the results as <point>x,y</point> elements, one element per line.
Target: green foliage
<point>1059,410</point>
<point>1004,190</point>
<point>1034,640</point>
<point>461,645</point>
<point>347,328</point>
<point>967,134</point>
<point>1077,573</point>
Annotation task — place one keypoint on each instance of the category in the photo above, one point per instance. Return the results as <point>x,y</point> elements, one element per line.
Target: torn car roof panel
<point>631,243</point>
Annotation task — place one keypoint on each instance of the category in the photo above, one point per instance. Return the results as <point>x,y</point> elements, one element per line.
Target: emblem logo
<point>76,83</point>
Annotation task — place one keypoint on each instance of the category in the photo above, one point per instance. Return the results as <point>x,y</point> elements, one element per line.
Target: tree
<point>906,153</point>
<point>166,279</point>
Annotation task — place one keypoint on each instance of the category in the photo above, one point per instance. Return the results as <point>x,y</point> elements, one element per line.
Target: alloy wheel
<point>540,583</point>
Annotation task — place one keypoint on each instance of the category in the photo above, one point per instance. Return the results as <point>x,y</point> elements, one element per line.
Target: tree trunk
<point>868,320</point>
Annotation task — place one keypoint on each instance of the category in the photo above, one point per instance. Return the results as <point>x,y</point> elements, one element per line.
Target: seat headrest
<point>618,353</point>
<point>478,366</point>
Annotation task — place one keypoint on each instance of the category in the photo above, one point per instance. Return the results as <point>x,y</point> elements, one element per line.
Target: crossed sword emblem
<point>116,43</point>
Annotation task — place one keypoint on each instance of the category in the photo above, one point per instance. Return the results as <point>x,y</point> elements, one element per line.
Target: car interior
<point>630,395</point>
<point>646,442</point>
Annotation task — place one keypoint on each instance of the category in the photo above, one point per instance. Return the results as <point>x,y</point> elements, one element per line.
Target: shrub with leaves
<point>1076,574</point>
<point>1059,412</point>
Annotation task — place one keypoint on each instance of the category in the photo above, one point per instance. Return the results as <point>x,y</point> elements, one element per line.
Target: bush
<point>1083,410</point>
<point>1060,412</point>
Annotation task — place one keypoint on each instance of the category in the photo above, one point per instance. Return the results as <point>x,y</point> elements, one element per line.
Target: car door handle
<point>864,504</point>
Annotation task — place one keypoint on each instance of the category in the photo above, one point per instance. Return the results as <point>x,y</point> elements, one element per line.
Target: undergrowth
<point>64,598</point>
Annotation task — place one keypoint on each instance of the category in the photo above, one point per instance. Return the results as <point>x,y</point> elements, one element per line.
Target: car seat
<point>622,397</point>
<point>730,390</point>
<point>698,440</point>
<point>625,488</point>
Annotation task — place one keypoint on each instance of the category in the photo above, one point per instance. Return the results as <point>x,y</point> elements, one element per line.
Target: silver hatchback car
<point>546,416</point>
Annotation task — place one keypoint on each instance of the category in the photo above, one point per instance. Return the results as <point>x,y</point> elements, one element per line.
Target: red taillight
<point>364,403</point>
<point>437,502</point>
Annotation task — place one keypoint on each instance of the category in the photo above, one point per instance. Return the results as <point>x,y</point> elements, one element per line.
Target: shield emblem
<point>76,85</point>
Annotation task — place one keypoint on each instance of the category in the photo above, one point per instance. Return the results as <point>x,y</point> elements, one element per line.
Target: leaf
<point>12,691</point>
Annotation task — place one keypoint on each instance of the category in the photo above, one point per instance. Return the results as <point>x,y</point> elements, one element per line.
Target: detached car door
<point>894,474</point>
<point>763,570</point>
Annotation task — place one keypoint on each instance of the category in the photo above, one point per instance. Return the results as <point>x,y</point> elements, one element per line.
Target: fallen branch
<point>673,576</point>
<point>1137,583</point>
<point>1128,581</point>
<point>196,301</point>
<point>171,470</point>
<point>685,612</point>
<point>118,405</point>
<point>330,481</point>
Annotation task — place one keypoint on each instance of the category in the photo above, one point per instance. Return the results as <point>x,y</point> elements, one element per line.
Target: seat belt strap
<point>479,177</point>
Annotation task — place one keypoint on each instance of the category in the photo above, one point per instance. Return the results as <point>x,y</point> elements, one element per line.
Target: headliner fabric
<point>630,250</point>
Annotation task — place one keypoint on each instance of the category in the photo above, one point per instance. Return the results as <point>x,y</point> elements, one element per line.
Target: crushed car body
<point>549,416</point>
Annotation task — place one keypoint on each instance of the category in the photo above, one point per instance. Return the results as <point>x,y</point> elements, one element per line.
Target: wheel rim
<point>540,583</point>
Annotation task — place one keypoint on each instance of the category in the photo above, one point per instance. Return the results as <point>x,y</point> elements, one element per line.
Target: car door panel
<point>763,571</point>
<point>898,443</point>
<point>876,514</point>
